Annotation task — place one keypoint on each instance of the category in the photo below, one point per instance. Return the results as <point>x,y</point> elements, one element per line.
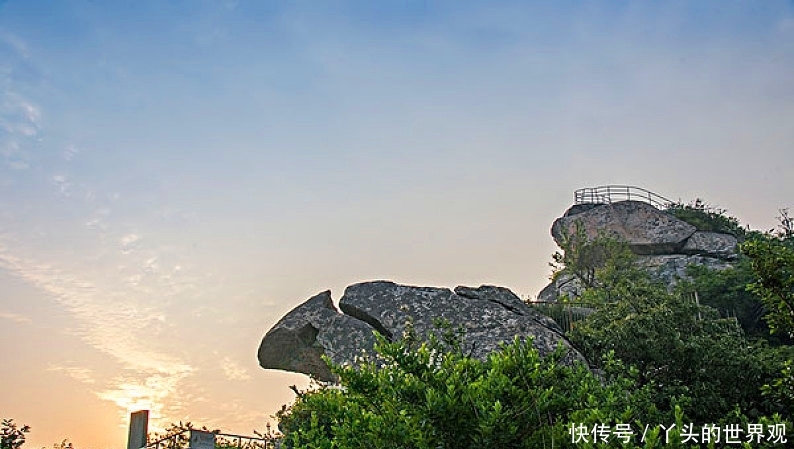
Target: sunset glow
<point>176,176</point>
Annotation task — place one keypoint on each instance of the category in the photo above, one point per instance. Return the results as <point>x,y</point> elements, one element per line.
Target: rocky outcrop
<point>489,315</point>
<point>310,330</point>
<point>562,285</point>
<point>664,245</point>
<point>646,229</point>
<point>670,268</point>
<point>711,244</point>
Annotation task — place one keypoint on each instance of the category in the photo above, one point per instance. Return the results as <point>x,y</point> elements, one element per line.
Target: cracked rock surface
<point>489,315</point>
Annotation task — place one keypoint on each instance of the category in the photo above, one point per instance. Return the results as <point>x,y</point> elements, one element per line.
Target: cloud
<point>115,324</point>
<point>14,42</point>
<point>108,324</point>
<point>15,317</point>
<point>18,165</point>
<point>158,393</point>
<point>83,375</point>
<point>19,115</point>
<point>233,370</point>
<point>63,184</point>
<point>70,152</point>
<point>97,219</point>
<point>129,239</point>
<point>128,242</point>
<point>20,124</point>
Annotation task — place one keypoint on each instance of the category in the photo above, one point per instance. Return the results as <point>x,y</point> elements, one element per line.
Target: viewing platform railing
<point>613,193</point>
<point>181,440</point>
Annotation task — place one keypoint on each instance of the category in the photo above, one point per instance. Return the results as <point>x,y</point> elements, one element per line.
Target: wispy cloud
<point>108,325</point>
<point>15,317</point>
<point>70,152</point>
<point>63,184</point>
<point>233,370</point>
<point>77,373</point>
<point>128,241</point>
<point>20,116</point>
<point>15,43</point>
<point>20,124</point>
<point>97,219</point>
<point>113,325</point>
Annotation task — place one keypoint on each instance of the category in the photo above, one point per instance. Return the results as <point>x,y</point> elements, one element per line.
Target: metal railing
<point>613,193</point>
<point>226,440</point>
<point>222,441</point>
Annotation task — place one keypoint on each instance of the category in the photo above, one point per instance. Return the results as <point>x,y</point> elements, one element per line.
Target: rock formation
<point>490,316</point>
<point>664,244</point>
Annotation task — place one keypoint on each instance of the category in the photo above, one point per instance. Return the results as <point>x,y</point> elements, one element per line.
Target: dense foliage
<point>772,261</point>
<point>726,290</point>
<point>684,350</point>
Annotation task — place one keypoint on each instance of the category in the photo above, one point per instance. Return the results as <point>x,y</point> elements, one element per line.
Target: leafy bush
<point>707,218</point>
<point>431,395</point>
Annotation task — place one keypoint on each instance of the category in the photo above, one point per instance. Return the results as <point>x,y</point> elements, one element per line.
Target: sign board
<point>200,439</point>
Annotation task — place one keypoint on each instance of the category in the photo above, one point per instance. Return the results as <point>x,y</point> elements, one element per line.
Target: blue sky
<point>175,176</point>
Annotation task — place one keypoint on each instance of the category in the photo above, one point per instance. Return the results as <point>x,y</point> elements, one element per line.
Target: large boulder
<point>489,315</point>
<point>646,229</point>
<point>297,342</point>
<point>711,244</point>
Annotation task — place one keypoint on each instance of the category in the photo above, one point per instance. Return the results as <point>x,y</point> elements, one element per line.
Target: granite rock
<point>711,244</point>
<point>489,316</point>
<point>645,228</point>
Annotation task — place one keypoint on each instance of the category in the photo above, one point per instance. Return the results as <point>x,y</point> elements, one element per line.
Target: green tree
<point>682,350</point>
<point>772,261</point>
<point>11,435</point>
<point>583,258</point>
<point>726,290</point>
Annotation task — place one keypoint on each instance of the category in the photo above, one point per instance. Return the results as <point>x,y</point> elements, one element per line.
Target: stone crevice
<point>361,315</point>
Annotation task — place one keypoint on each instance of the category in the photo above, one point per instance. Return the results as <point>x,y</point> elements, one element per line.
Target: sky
<point>175,176</point>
